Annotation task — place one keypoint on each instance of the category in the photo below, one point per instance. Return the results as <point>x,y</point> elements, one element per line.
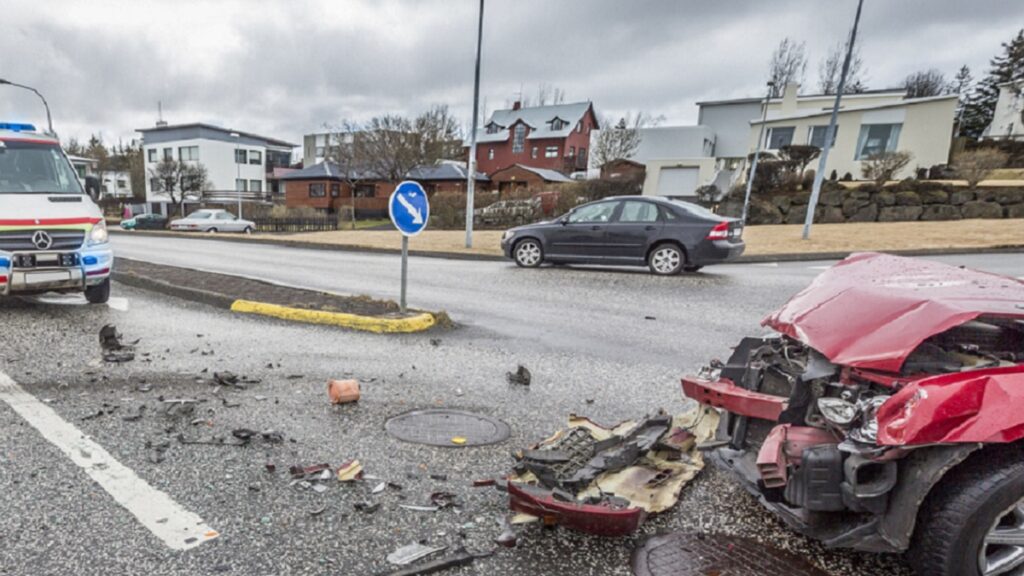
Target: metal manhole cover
<point>691,554</point>
<point>438,427</point>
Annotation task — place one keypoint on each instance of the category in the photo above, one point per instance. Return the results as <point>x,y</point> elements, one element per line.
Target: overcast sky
<point>284,68</point>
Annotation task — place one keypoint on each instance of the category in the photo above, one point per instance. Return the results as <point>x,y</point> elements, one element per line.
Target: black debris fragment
<point>366,507</point>
<point>114,351</point>
<point>521,376</point>
<point>104,410</point>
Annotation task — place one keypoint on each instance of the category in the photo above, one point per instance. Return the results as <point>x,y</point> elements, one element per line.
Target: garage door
<point>677,181</point>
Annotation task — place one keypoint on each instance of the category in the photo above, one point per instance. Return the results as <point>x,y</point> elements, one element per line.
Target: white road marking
<point>768,264</point>
<point>166,519</point>
<point>119,304</point>
<point>819,267</point>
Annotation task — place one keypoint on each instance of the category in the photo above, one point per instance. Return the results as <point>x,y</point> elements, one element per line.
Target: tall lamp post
<point>830,133</point>
<point>238,174</point>
<point>757,152</point>
<point>471,176</point>
<point>49,121</point>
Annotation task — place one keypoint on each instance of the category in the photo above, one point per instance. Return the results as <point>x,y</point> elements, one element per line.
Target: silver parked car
<point>213,221</point>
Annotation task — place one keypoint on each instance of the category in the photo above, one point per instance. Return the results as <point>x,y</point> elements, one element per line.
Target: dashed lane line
<point>178,528</point>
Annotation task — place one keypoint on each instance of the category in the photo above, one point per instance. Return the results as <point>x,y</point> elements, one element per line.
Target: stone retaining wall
<point>897,203</point>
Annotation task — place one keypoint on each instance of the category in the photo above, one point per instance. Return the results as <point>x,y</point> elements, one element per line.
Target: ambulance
<point>52,235</point>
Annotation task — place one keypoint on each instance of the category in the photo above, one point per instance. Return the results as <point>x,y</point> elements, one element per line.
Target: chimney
<point>517,105</point>
<point>789,98</point>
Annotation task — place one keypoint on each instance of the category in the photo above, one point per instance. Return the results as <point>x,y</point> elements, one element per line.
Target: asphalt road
<point>584,334</point>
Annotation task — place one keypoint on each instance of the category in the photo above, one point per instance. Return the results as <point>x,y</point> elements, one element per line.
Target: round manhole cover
<point>439,427</point>
<point>687,554</point>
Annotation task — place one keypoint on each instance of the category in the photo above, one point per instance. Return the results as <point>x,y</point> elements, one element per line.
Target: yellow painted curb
<point>417,323</point>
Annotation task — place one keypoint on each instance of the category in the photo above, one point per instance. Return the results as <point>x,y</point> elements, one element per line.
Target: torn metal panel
<point>888,305</point>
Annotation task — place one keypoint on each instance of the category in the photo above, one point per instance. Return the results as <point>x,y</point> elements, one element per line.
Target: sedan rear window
<point>199,215</point>
<point>695,209</point>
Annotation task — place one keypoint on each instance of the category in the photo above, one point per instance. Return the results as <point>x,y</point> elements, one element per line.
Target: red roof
<point>872,310</point>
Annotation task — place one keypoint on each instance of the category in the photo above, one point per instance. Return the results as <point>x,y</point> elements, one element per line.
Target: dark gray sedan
<point>666,235</point>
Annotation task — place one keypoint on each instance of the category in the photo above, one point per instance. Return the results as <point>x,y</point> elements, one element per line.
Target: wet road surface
<point>583,334</point>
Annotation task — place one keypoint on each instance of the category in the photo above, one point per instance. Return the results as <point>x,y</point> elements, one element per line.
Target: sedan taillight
<point>719,232</point>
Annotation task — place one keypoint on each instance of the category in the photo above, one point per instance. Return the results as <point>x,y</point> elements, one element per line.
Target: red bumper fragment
<point>722,393</point>
<point>600,520</point>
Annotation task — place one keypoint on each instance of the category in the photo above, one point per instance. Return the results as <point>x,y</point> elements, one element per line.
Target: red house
<point>555,137</point>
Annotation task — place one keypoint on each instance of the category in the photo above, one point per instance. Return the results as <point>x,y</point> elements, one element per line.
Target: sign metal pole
<point>405,269</point>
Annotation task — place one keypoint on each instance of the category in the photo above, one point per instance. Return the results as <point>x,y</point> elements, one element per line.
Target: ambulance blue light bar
<point>14,127</point>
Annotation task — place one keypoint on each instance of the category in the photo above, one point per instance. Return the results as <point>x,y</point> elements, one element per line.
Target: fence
<point>296,224</point>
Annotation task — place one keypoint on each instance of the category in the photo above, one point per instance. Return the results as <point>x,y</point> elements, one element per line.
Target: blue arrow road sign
<point>409,208</point>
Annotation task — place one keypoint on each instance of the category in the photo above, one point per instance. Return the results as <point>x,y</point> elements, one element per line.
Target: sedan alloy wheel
<point>666,260</point>
<point>529,254</point>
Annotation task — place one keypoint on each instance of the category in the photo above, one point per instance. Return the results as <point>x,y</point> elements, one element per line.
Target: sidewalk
<point>251,296</point>
<point>779,242</point>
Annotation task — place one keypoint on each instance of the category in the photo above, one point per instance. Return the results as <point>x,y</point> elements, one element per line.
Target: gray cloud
<point>285,68</point>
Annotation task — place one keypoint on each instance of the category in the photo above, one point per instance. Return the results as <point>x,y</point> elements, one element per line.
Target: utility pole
<point>830,133</point>
<point>471,177</point>
<point>238,173</point>
<point>757,153</point>
<point>49,121</point>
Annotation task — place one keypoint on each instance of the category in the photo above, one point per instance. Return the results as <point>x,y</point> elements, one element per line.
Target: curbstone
<point>378,325</point>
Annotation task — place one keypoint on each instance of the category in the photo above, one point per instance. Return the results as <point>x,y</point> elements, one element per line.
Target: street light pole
<point>471,176</point>
<point>238,174</point>
<point>830,133</point>
<point>757,152</point>
<point>49,121</point>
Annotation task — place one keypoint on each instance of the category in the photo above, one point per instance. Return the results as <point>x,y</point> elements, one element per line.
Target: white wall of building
<point>219,159</point>
<point>1007,122</point>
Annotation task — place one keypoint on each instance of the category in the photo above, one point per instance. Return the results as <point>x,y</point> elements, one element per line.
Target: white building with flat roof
<point>234,160</point>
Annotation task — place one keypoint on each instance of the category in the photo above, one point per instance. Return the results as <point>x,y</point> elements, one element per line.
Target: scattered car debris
<point>521,376</point>
<point>366,507</point>
<point>606,481</point>
<point>458,558</point>
<point>379,488</point>
<point>484,482</point>
<point>246,435</point>
<point>508,537</point>
<point>444,500</point>
<point>114,351</point>
<point>105,409</point>
<point>435,341</point>
<point>157,450</point>
<point>343,391</point>
<point>305,472</point>
<point>418,508</point>
<point>413,552</point>
<point>350,471</point>
<point>270,467</point>
<point>136,416</point>
<point>318,511</point>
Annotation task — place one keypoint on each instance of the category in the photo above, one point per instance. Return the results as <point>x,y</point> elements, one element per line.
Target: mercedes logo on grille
<point>42,240</point>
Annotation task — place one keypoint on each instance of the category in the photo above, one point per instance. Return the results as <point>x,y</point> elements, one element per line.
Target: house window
<point>241,185</point>
<point>581,157</point>
<point>122,184</point>
<point>518,137</point>
<point>319,151</point>
<point>816,136</point>
<point>255,157</point>
<point>779,136</point>
<point>365,191</point>
<point>241,156</point>
<point>154,184</point>
<point>533,152</point>
<point>579,127</point>
<point>152,154</point>
<point>256,185</point>
<point>572,151</point>
<point>168,153</point>
<point>558,124</point>
<point>490,153</point>
<point>316,190</point>
<point>551,152</point>
<point>877,139</point>
<point>190,153</point>
<point>493,128</point>
<point>335,190</point>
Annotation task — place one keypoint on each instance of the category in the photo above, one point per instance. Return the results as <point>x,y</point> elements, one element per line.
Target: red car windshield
<point>35,168</point>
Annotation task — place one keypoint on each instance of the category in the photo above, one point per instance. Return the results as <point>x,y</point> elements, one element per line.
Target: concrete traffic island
<point>251,296</point>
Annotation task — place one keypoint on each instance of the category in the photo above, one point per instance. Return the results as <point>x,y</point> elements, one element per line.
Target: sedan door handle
<point>595,227</point>
<point>650,227</point>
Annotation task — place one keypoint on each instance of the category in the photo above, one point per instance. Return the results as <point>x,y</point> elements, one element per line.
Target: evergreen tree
<point>981,103</point>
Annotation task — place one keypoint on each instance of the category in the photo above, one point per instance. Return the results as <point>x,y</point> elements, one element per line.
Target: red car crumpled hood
<point>872,310</point>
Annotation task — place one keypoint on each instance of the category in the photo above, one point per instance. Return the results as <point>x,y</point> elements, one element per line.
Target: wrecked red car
<point>887,414</point>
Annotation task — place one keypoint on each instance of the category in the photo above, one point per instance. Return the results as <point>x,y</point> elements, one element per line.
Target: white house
<point>1008,119</point>
<point>234,160</point>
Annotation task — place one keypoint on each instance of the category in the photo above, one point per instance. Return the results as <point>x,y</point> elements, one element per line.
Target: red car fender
<point>975,406</point>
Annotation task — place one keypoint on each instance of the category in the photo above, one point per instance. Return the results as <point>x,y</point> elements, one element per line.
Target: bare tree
<point>977,165</point>
<point>788,65</point>
<point>620,141</point>
<point>341,150</point>
<point>179,181</point>
<point>925,83</point>
<point>831,67</point>
<point>885,166</point>
<point>438,135</point>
